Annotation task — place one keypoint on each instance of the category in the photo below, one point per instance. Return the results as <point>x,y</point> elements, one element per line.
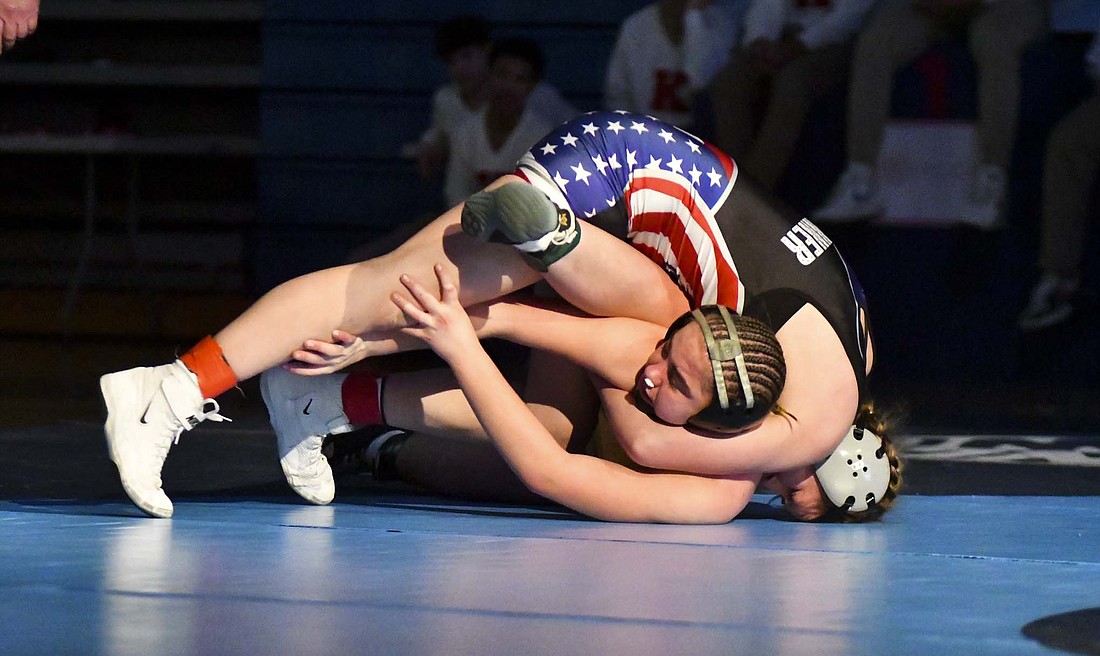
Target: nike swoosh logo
<point>143,420</point>
<point>306,410</point>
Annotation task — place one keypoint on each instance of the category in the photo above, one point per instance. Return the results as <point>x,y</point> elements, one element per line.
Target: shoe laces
<point>201,416</point>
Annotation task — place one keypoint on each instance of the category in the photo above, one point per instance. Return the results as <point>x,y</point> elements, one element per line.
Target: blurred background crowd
<point>163,162</point>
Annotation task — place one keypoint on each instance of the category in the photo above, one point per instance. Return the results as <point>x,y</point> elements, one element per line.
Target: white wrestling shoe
<point>148,408</point>
<point>855,196</point>
<point>303,410</point>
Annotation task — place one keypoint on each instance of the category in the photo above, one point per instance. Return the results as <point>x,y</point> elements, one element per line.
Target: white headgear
<point>857,473</point>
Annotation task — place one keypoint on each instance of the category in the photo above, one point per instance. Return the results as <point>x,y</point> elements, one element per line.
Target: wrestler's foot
<point>370,452</point>
<point>303,410</point>
<point>521,215</point>
<point>147,410</point>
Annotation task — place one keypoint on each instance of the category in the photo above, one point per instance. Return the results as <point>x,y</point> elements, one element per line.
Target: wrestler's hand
<point>18,19</point>
<point>442,323</point>
<point>318,357</point>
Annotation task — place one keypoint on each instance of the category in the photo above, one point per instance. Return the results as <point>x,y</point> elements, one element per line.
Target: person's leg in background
<point>793,92</point>
<point>736,93</point>
<point>1070,172</point>
<point>894,36</point>
<point>998,36</point>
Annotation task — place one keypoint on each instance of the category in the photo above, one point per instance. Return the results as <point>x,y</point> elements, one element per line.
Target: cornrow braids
<point>764,367</point>
<point>763,359</point>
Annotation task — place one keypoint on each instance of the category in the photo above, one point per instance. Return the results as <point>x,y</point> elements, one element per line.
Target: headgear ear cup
<point>856,474</point>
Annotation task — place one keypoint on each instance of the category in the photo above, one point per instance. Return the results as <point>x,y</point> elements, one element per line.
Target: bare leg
<point>605,276</point>
<point>356,297</point>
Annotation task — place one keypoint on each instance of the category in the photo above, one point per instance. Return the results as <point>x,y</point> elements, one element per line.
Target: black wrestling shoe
<point>520,215</point>
<point>367,452</point>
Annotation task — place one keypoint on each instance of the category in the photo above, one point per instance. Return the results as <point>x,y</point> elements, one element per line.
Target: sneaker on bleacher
<point>1051,303</point>
<point>855,197</point>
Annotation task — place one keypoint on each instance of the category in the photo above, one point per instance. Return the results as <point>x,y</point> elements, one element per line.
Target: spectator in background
<point>664,54</point>
<point>792,51</point>
<point>478,142</point>
<point>463,43</point>
<point>1069,182</point>
<point>18,20</point>
<point>998,32</point>
<point>490,142</point>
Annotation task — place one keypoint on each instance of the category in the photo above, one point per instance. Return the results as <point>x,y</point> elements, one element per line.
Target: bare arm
<point>610,347</point>
<point>588,485</point>
<point>613,347</point>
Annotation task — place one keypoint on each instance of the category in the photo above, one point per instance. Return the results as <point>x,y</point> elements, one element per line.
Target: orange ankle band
<point>206,361</point>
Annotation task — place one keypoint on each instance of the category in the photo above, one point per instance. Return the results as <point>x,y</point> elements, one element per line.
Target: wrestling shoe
<point>855,196</point>
<point>368,452</point>
<point>148,408</point>
<point>303,410</point>
<point>1051,303</point>
<point>520,215</point>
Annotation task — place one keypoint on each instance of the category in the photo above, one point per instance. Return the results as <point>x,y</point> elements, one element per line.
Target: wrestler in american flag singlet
<point>665,185</point>
<point>670,191</point>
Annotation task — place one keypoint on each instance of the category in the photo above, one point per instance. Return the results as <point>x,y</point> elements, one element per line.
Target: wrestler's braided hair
<point>764,362</point>
<point>763,357</point>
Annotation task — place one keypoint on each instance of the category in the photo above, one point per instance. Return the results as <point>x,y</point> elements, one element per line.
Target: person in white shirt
<point>463,44</point>
<point>488,143</point>
<point>998,32</point>
<point>664,54</point>
<point>1069,181</point>
<point>791,52</point>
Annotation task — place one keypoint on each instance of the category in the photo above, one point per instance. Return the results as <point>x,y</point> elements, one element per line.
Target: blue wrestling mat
<point>390,574</point>
<point>992,534</point>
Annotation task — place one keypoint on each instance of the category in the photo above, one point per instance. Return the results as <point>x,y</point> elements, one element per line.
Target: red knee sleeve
<point>362,397</point>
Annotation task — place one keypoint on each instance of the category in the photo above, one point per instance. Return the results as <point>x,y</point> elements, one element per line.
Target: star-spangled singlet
<point>671,190</point>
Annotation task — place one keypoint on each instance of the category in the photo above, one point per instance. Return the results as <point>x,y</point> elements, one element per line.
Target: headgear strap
<point>725,350</point>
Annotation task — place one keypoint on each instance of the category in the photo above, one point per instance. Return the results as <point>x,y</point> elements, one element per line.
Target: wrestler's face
<point>677,381</point>
<point>802,494</point>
